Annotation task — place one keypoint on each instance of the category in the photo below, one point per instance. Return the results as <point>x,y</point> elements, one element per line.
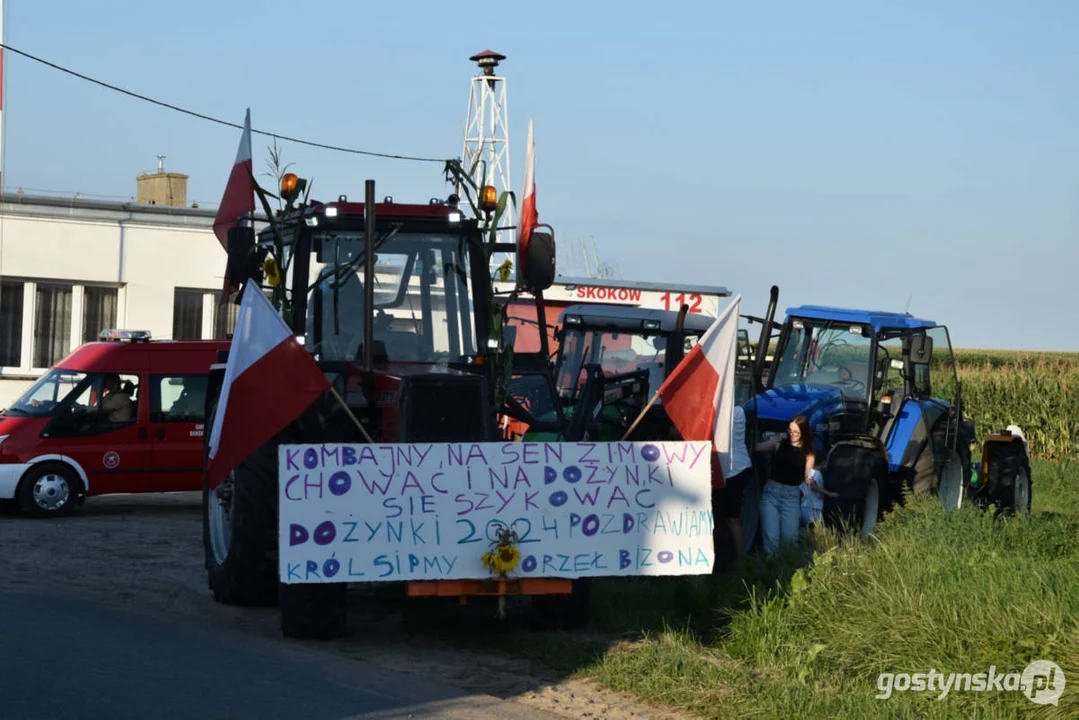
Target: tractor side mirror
<point>242,260</point>
<point>541,260</point>
<point>921,349</point>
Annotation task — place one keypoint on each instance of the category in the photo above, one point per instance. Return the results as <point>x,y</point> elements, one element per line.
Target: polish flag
<point>239,198</point>
<point>699,395</point>
<point>529,218</point>
<point>269,381</point>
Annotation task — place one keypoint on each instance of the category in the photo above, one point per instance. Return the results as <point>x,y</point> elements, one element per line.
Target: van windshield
<point>48,392</point>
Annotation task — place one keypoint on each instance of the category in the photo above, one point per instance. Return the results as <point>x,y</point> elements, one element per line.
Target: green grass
<point>954,592</point>
<point>806,634</point>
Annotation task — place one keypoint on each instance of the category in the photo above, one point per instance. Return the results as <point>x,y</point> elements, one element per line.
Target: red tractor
<point>397,310</point>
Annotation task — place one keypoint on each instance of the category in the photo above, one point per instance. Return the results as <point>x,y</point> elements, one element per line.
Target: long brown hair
<point>807,436</point>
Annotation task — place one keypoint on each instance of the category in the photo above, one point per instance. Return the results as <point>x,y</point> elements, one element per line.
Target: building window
<point>52,324</point>
<point>224,319</point>
<point>98,311</point>
<point>11,302</point>
<point>187,315</point>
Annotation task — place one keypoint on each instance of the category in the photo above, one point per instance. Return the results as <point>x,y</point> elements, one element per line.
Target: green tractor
<point>610,361</point>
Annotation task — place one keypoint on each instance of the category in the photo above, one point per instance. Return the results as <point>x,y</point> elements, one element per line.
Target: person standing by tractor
<point>792,462</point>
<point>727,501</point>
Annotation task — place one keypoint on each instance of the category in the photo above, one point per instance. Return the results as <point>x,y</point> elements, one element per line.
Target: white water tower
<point>487,137</point>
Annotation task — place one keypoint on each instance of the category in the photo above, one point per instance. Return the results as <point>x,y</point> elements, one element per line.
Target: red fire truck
<point>124,415</point>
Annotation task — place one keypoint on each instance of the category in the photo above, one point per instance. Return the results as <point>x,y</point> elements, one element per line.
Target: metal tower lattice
<point>487,136</point>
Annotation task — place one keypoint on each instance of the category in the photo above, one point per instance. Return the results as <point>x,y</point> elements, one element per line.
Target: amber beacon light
<point>488,198</point>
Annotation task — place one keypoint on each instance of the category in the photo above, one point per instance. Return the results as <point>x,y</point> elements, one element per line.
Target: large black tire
<point>950,483</point>
<point>313,611</point>
<point>565,612</point>
<point>857,471</point>
<point>1008,480</point>
<point>48,489</point>
<point>243,570</point>
<point>926,480</point>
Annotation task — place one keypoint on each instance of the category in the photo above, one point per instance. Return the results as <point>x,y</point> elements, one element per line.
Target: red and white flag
<point>529,218</point>
<point>269,381</point>
<point>699,395</point>
<point>239,198</point>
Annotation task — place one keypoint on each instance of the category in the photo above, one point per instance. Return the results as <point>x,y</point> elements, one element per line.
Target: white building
<point>70,268</point>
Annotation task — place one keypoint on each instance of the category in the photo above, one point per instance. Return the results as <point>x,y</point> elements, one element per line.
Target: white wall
<point>60,249</point>
<point>144,253</point>
<point>157,261</point>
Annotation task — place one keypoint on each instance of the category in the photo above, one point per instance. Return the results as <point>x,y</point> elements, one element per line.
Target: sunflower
<point>503,560</point>
<point>272,271</point>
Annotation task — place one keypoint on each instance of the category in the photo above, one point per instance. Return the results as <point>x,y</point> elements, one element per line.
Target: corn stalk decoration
<point>276,265</point>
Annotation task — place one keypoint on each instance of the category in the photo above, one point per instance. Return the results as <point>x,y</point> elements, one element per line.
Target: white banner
<point>370,513</point>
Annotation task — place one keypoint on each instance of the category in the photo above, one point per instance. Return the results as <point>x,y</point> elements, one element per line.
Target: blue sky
<point>854,153</point>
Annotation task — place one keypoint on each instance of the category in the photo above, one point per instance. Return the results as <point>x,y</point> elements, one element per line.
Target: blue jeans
<point>781,511</point>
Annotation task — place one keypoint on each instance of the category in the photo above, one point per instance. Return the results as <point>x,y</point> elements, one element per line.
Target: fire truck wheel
<point>564,612</point>
<point>239,531</point>
<point>48,490</point>
<point>312,611</point>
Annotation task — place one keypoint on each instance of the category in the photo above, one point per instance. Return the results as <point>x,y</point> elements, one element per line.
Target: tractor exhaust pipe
<point>369,279</point>
<point>676,347</point>
<point>680,322</point>
<point>765,338</point>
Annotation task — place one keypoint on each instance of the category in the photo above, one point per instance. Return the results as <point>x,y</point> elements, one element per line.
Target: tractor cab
<point>877,385</point>
<point>610,362</point>
<point>392,300</point>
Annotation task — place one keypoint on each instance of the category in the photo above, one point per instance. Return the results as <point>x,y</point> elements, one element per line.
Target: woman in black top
<point>781,496</point>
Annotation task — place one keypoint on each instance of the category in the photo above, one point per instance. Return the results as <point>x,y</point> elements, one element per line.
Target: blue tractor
<point>884,402</point>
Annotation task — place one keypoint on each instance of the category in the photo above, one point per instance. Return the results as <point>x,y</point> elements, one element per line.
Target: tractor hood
<point>784,403</point>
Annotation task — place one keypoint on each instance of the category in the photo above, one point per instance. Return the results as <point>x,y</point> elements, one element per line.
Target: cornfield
<point>1039,392</point>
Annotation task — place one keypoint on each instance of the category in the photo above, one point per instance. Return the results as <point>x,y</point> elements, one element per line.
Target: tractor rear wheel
<point>1009,480</point>
<point>951,489</point>
<point>871,507</point>
<point>239,530</point>
<point>949,484</point>
<point>857,471</point>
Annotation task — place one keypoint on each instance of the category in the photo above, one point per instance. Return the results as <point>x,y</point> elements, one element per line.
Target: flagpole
<point>641,416</point>
<point>355,420</point>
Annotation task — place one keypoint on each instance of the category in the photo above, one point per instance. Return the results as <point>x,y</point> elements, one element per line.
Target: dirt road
<point>142,556</point>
